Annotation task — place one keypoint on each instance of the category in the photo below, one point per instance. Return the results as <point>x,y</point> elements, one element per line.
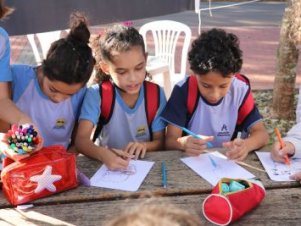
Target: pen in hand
<point>198,136</point>
<point>286,159</point>
<point>121,153</point>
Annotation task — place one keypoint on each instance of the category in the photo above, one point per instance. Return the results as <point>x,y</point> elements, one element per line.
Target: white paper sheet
<point>204,167</point>
<point>122,180</point>
<point>279,171</point>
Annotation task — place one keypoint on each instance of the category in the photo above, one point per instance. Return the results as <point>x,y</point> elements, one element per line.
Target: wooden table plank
<point>280,207</point>
<point>179,177</point>
<point>181,180</point>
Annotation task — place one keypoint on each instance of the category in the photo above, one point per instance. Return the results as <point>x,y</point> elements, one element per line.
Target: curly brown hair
<point>215,50</point>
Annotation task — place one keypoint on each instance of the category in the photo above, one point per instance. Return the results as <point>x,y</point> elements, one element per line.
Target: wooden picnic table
<point>185,189</point>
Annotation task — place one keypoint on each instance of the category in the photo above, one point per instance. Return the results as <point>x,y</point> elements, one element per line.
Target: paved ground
<point>257,25</point>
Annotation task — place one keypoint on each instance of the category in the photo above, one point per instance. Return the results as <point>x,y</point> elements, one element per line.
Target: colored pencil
<point>212,161</point>
<point>286,159</point>
<point>164,175</point>
<point>210,145</point>
<point>239,162</point>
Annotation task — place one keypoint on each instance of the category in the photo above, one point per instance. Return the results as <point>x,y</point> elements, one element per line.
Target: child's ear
<point>104,67</point>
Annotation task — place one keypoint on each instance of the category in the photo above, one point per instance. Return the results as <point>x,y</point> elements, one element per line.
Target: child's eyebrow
<point>55,90</point>
<point>141,63</point>
<point>120,69</point>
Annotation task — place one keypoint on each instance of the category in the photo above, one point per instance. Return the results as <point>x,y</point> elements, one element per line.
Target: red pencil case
<point>224,208</point>
<point>46,172</point>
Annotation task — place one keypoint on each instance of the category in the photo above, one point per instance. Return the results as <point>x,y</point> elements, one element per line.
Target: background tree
<point>287,59</point>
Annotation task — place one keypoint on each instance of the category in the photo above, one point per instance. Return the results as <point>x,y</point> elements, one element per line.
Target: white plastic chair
<point>166,36</point>
<point>45,39</point>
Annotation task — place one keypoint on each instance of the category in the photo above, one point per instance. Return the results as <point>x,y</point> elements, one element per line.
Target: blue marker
<point>164,176</point>
<point>189,132</point>
<point>212,161</point>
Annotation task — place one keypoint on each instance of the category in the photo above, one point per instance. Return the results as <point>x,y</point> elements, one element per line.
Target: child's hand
<point>296,177</point>
<point>194,146</point>
<point>136,148</point>
<point>236,149</point>
<point>40,145</point>
<point>21,141</point>
<point>7,151</point>
<point>278,154</point>
<point>116,159</point>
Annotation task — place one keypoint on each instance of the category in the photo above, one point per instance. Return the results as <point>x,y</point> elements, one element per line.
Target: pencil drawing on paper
<point>217,171</point>
<point>280,169</point>
<point>214,166</point>
<point>118,176</point>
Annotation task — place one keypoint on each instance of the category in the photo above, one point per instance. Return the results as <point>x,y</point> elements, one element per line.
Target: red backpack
<point>107,95</point>
<point>193,97</point>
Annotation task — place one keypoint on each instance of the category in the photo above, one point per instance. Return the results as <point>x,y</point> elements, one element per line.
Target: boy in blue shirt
<point>223,103</point>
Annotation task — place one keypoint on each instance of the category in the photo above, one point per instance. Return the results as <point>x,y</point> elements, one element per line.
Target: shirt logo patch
<point>60,123</point>
<point>141,131</point>
<point>224,131</point>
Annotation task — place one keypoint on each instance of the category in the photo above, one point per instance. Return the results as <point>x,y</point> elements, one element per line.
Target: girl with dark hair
<point>52,93</point>
<point>127,130</point>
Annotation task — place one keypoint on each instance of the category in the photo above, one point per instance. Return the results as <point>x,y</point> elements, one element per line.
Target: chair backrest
<point>44,39</point>
<point>166,36</point>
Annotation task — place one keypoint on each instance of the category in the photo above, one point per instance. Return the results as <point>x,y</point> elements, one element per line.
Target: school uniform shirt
<point>5,72</point>
<point>294,136</point>
<point>126,124</point>
<point>218,120</point>
<point>54,120</point>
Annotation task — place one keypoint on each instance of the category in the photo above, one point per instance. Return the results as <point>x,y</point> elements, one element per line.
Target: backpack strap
<point>248,103</point>
<point>152,102</point>
<point>192,95</point>
<point>107,96</point>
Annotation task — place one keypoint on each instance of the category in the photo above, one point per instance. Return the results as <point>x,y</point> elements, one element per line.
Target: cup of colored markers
<point>22,139</point>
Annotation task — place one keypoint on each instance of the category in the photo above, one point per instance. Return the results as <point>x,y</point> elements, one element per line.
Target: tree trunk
<point>287,59</point>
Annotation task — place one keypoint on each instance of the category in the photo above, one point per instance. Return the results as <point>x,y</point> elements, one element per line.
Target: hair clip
<point>203,66</point>
<point>128,23</point>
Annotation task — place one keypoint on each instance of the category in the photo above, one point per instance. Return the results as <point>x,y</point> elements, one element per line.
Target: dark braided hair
<point>70,59</point>
<point>216,51</point>
<point>118,38</point>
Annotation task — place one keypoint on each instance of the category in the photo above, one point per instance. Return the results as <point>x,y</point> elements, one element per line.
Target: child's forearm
<point>173,144</point>
<point>257,140</point>
<point>10,113</point>
<point>88,148</point>
<point>155,145</point>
